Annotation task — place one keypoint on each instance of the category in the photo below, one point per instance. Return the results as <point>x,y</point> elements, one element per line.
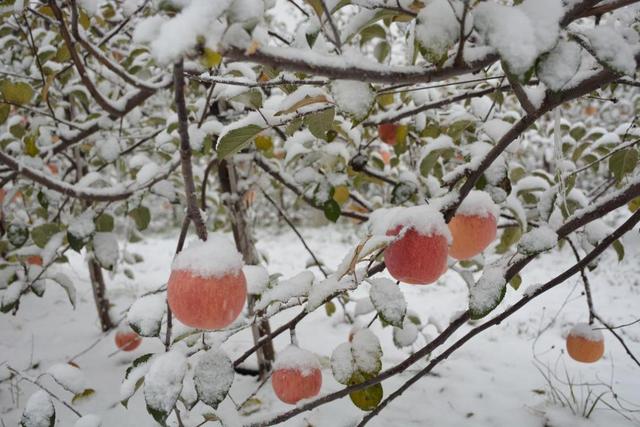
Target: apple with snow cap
<point>585,344</point>
<point>474,225</point>
<point>207,288</point>
<point>296,375</point>
<point>418,255</point>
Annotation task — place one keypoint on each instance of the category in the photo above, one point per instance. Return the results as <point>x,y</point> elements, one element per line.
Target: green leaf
<point>619,247</point>
<point>331,210</point>
<point>42,233</point>
<point>76,243</point>
<point>330,308</point>
<point>83,396</point>
<point>16,93</point>
<point>17,234</point>
<point>104,223</point>
<point>382,50</point>
<point>623,162</point>
<point>515,282</point>
<point>141,216</point>
<point>320,123</point>
<point>251,98</point>
<point>4,113</point>
<point>368,398</point>
<point>371,32</point>
<point>634,204</point>
<point>236,139</point>
<point>30,147</point>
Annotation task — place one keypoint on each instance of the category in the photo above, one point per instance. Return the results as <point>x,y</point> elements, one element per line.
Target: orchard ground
<point>492,381</point>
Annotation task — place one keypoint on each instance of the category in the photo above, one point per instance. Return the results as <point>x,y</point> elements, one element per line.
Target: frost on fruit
<point>39,411</point>
<point>145,315</point>
<point>163,384</point>
<point>213,377</point>
<point>487,292</point>
<point>388,300</point>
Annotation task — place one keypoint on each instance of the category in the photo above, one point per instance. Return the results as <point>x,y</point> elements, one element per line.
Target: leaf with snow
<point>236,139</point>
<point>63,280</point>
<point>538,240</point>
<point>488,292</point>
<point>406,335</point>
<point>39,411</point>
<point>134,377</point>
<point>367,352</point>
<point>213,377</point>
<point>297,286</point>
<point>388,300</point>
<point>326,289</point>
<point>343,365</point>
<point>69,377</point>
<point>105,248</point>
<point>163,384</point>
<point>145,315</point>
<point>353,97</point>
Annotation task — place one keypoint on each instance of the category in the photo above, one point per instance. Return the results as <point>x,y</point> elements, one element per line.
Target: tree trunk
<point>99,294</point>
<point>244,243</point>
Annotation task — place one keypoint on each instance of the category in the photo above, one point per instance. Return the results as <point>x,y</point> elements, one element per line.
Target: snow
<point>82,226</point>
<point>586,331</point>
<point>296,358</point>
<point>342,363</point>
<point>560,65</point>
<point>213,376</point>
<point>39,411</point>
<point>105,247</point>
<point>611,48</point>
<point>478,203</point>
<point>388,300</point>
<point>108,150</point>
<point>163,382</point>
<point>424,219</point>
<point>257,278</point>
<point>406,335</point>
<point>496,129</point>
<point>353,97</point>
<point>366,351</point>
<point>521,33</point>
<point>596,231</point>
<point>330,286</point>
<point>88,420</point>
<point>215,257</point>
<point>540,239</point>
<point>69,377</point>
<point>173,38</point>
<point>145,314</point>
<point>147,173</point>
<point>295,287</point>
<point>437,27</point>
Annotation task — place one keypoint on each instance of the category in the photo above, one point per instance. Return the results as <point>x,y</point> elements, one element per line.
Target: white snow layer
<point>215,257</point>
<point>478,203</point>
<point>423,219</point>
<point>296,358</point>
<point>586,331</point>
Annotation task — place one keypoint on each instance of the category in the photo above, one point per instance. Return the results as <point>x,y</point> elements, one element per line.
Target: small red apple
<point>296,375</point>
<point>387,133</point>
<point>127,340</point>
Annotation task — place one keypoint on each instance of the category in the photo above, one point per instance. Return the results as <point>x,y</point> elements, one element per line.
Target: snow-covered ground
<point>494,380</point>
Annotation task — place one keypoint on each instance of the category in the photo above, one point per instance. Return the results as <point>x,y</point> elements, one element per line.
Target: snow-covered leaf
<point>213,377</point>
<point>487,293</point>
<point>63,280</point>
<point>145,315</point>
<point>163,384</point>
<point>105,247</point>
<point>39,411</point>
<point>69,377</point>
<point>388,300</point>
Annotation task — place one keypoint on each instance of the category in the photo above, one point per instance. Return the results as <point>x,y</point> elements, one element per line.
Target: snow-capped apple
<point>585,344</point>
<point>296,375</point>
<point>418,255</point>
<point>474,226</point>
<point>207,288</point>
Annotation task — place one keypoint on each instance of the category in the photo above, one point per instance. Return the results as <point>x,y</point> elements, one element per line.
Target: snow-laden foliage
<point>388,300</point>
<point>145,315</point>
<point>39,411</point>
<point>163,383</point>
<point>213,377</point>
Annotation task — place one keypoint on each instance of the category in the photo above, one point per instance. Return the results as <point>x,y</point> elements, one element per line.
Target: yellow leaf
<point>307,100</point>
<point>211,58</point>
<point>341,194</point>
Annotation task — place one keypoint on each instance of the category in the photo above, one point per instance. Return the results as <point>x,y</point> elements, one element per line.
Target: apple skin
<point>206,303</point>
<point>415,258</point>
<point>471,235</point>
<point>387,133</point>
<point>584,350</point>
<point>291,385</point>
<point>127,340</point>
